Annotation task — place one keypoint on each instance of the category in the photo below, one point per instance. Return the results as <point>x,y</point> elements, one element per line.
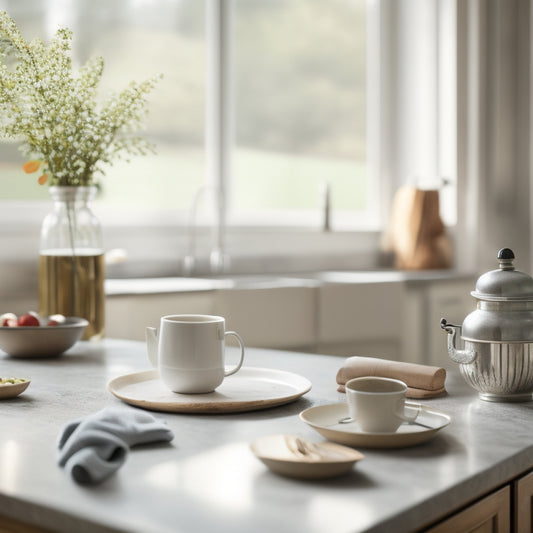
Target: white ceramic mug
<point>189,352</point>
<point>377,404</point>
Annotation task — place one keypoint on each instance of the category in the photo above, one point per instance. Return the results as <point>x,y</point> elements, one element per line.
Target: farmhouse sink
<point>265,281</point>
<point>182,284</point>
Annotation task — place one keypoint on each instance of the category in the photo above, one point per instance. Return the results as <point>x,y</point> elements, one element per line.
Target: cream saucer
<point>290,455</point>
<point>326,420</point>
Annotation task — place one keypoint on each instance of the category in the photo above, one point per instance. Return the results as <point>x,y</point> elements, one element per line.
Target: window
<point>300,109</point>
<point>266,101</point>
<point>137,39</point>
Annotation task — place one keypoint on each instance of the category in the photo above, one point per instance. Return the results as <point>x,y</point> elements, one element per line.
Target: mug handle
<point>241,344</point>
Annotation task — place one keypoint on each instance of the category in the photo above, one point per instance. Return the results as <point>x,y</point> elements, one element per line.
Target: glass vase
<point>71,260</point>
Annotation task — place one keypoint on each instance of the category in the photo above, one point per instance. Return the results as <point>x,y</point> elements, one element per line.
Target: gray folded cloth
<point>93,448</point>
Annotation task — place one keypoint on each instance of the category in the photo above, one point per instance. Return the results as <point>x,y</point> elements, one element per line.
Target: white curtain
<point>493,133</point>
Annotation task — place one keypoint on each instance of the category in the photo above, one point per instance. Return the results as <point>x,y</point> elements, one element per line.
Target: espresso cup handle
<point>241,344</point>
<point>409,418</point>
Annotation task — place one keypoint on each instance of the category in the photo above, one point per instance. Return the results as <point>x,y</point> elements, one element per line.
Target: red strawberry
<point>53,323</point>
<point>8,317</point>
<point>28,320</point>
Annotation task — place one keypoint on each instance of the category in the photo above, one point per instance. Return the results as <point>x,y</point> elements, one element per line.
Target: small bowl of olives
<point>11,387</point>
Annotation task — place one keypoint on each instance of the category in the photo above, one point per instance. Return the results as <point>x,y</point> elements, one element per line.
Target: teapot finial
<point>506,256</point>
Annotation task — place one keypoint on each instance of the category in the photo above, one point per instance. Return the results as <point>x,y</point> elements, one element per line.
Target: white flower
<point>55,112</point>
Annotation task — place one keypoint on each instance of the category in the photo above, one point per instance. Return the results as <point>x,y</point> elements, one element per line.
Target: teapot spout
<point>459,356</point>
<point>152,345</point>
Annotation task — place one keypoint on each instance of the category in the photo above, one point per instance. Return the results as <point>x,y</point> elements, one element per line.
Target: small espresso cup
<point>377,404</point>
<point>190,351</point>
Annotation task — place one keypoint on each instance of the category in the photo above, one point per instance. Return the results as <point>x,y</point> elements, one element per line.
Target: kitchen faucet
<point>218,260</point>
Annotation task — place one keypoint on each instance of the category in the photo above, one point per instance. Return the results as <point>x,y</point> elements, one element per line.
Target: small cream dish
<point>12,387</point>
<point>292,456</point>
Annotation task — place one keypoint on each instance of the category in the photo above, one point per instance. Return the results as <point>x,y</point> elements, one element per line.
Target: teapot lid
<point>505,283</point>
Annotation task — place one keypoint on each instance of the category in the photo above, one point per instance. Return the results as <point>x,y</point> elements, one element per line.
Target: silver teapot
<point>497,356</point>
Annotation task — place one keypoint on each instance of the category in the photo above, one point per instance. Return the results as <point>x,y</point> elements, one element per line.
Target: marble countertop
<point>207,479</point>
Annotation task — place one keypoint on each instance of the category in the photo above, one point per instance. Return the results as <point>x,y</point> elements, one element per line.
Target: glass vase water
<point>71,260</point>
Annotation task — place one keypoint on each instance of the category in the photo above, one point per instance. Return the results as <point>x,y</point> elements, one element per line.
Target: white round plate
<point>249,389</point>
<point>289,455</point>
<point>325,420</point>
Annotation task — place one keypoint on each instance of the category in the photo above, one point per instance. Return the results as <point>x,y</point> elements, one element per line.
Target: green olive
<point>12,381</point>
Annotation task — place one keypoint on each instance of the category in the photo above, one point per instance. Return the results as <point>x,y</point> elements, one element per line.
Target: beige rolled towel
<point>422,381</point>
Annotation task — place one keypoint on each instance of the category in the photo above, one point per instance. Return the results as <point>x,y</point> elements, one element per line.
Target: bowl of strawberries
<point>32,335</point>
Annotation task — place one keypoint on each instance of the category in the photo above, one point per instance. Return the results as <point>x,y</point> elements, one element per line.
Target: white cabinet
<point>361,319</point>
<point>272,317</point>
<point>396,319</point>
<point>275,317</point>
<point>426,303</point>
<point>128,315</point>
<point>399,320</point>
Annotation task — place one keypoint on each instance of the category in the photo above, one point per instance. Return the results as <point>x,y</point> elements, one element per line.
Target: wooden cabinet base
<point>523,504</point>
<point>489,515</point>
<point>10,525</point>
